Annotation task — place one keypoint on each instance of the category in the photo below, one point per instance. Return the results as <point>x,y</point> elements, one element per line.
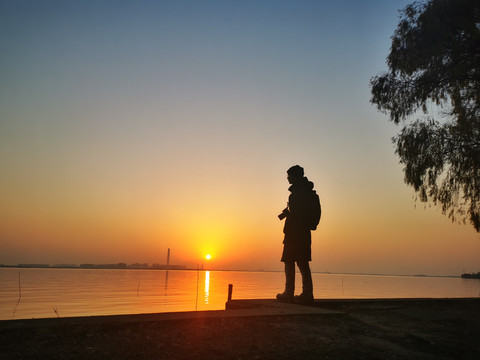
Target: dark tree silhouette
<point>434,68</point>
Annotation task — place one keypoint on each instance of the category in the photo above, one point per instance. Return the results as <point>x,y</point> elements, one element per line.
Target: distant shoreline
<point>123,266</point>
<point>119,266</point>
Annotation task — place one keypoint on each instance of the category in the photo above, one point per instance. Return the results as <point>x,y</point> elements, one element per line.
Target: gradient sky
<point>130,127</point>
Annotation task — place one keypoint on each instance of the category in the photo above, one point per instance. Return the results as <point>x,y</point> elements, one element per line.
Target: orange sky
<point>172,126</point>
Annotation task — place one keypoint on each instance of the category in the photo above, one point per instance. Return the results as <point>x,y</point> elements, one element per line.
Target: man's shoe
<point>304,299</point>
<point>286,297</point>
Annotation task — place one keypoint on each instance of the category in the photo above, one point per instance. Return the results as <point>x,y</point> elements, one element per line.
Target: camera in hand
<point>284,214</point>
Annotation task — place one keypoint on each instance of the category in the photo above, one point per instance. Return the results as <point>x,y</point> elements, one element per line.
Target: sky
<point>131,127</point>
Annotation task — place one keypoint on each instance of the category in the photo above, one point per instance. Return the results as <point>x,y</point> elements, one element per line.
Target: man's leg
<point>290,277</point>
<point>307,284</point>
<point>287,295</point>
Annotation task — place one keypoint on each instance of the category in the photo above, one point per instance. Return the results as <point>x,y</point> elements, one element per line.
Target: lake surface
<point>41,293</point>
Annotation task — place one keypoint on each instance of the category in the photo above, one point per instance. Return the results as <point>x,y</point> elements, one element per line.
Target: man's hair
<point>295,171</point>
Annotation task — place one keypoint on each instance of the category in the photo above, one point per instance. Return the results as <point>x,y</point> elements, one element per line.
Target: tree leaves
<point>434,62</point>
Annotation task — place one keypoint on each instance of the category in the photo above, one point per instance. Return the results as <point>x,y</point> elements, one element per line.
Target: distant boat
<point>471,276</point>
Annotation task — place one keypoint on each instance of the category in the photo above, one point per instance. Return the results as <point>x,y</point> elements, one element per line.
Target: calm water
<point>75,292</point>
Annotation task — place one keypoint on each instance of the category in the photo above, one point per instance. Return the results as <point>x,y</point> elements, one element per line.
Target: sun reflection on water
<point>207,286</point>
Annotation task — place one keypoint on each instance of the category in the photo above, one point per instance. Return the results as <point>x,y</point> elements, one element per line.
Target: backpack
<point>315,211</point>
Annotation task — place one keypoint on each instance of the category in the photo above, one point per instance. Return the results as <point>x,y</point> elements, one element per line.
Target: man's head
<point>294,174</point>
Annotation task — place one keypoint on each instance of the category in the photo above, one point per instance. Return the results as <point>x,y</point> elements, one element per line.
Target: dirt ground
<point>427,329</point>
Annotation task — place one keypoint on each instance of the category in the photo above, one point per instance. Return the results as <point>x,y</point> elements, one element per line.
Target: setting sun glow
<point>208,256</point>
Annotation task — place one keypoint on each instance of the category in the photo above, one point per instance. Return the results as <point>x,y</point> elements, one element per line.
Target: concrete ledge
<point>245,308</point>
<point>236,308</point>
<point>275,307</point>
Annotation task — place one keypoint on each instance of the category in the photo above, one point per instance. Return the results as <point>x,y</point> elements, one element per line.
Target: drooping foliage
<point>434,69</point>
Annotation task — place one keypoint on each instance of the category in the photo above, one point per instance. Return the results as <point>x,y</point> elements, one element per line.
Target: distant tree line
<point>101,266</point>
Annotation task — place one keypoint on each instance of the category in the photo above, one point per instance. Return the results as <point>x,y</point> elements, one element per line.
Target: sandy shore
<point>265,329</point>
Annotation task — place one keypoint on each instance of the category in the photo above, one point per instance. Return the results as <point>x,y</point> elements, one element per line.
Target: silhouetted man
<point>302,215</point>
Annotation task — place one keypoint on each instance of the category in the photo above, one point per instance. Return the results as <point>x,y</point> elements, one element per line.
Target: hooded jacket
<point>298,238</point>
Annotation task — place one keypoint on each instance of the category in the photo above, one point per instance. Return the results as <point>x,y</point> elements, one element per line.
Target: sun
<point>208,256</point>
